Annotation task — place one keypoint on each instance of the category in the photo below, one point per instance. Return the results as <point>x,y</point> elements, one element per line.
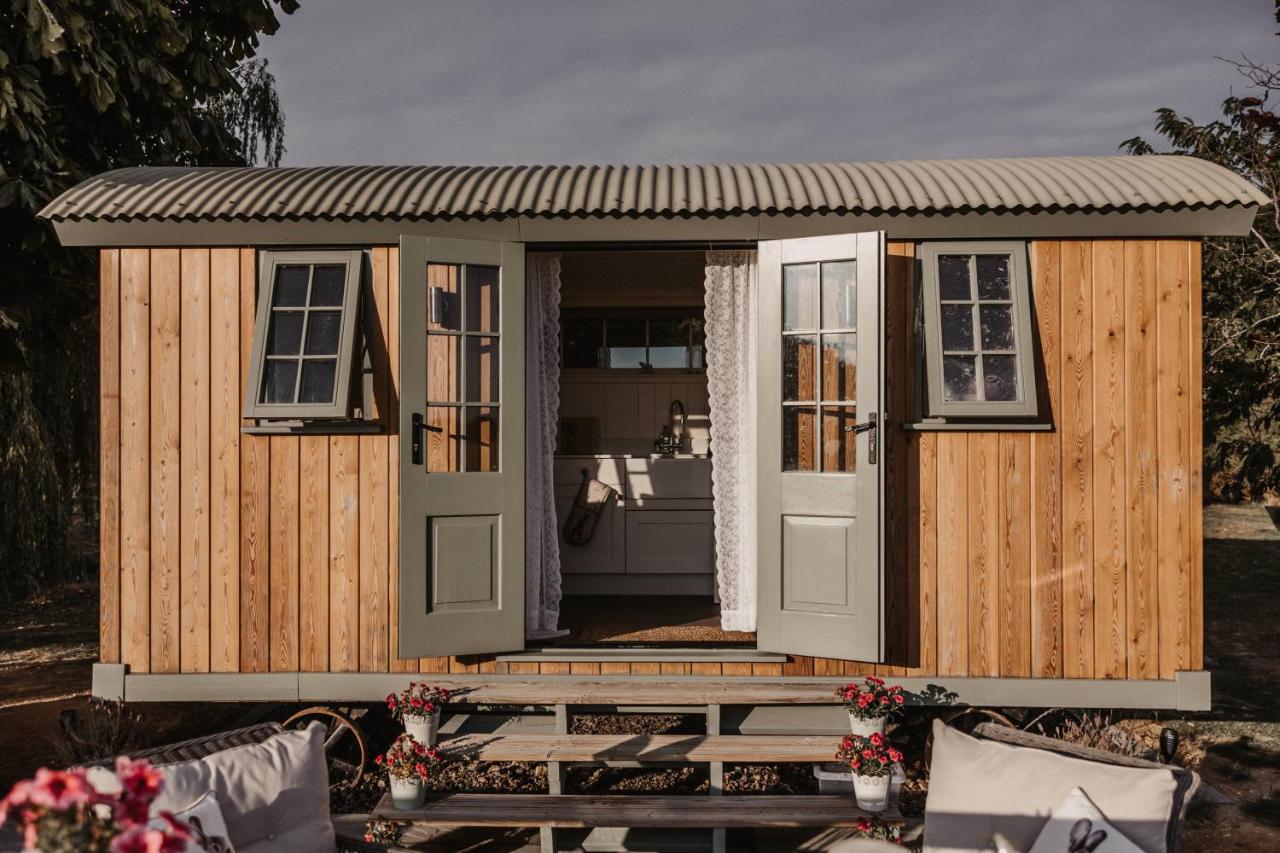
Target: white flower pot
<point>866,727</point>
<point>871,792</point>
<point>408,793</point>
<point>423,727</point>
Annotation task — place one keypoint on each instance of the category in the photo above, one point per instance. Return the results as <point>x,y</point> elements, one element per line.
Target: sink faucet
<point>671,442</point>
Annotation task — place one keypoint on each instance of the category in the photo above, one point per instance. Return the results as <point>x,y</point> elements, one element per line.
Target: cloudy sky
<point>572,81</point>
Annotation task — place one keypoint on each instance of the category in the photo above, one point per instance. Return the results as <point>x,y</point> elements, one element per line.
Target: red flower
<point>60,789</point>
<point>140,839</point>
<point>420,769</point>
<point>863,825</point>
<point>877,739</point>
<point>897,697</point>
<point>868,753</point>
<point>894,755</point>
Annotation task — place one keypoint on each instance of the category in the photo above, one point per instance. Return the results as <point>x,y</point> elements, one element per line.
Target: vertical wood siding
<point>1069,553</point>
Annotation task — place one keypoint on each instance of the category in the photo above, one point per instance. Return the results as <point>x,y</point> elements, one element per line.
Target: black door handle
<point>869,425</point>
<point>415,439</point>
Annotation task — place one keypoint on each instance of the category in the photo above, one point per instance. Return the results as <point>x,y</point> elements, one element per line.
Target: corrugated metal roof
<point>1034,184</point>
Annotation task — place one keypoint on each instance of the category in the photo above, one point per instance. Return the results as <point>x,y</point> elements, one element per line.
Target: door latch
<point>869,425</point>
<point>415,439</point>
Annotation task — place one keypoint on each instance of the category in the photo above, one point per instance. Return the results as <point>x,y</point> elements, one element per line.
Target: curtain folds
<point>542,403</point>
<point>731,386</point>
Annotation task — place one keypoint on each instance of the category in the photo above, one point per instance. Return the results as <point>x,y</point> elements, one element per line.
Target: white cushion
<point>274,795</point>
<point>979,788</point>
<point>1078,824</point>
<point>208,828</point>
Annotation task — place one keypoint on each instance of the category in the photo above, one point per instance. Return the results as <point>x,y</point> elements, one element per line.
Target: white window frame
<point>936,404</point>
<point>340,407</point>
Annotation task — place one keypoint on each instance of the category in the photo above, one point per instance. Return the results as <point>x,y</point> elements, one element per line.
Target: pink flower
<point>894,755</point>
<point>60,789</point>
<point>18,797</point>
<point>379,758</point>
<point>140,784</point>
<point>419,749</point>
<point>420,769</point>
<point>877,739</point>
<point>897,697</point>
<point>140,839</point>
<point>868,753</point>
<point>879,682</point>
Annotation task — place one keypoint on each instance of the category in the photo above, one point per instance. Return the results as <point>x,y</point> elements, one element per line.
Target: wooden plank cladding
<point>1072,553</point>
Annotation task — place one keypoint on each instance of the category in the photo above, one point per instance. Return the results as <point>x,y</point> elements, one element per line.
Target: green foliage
<point>87,86</point>
<point>1241,297</point>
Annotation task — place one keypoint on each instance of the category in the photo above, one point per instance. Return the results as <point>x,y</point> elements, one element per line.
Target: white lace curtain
<point>731,386</point>
<point>542,404</point>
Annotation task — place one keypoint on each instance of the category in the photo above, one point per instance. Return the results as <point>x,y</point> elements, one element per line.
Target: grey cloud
<point>558,81</point>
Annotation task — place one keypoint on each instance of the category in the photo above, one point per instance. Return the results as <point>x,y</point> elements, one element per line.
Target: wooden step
<point>636,690</point>
<point>575,811</point>
<point>741,749</point>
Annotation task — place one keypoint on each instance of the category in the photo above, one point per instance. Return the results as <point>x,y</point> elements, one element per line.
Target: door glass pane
<point>317,380</point>
<point>626,343</point>
<point>839,442</point>
<point>839,295</point>
<point>482,299</point>
<point>323,328</point>
<point>799,370</point>
<point>277,385</point>
<point>800,297</point>
<point>444,309</point>
<point>953,277</point>
<point>799,438</point>
<point>443,439</point>
<point>669,343</point>
<point>482,438</point>
<point>957,328</point>
<point>482,369</point>
<point>285,334</point>
<point>1000,377</point>
<point>960,377</point>
<point>444,374</point>
<point>327,285</point>
<point>997,327</point>
<point>839,367</point>
<point>583,342</point>
<point>291,286</point>
<point>993,276</point>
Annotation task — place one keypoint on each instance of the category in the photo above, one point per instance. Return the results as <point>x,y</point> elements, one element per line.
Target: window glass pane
<point>993,276</point>
<point>953,277</point>
<point>285,335</point>
<point>482,299</point>
<point>482,439</point>
<point>443,439</point>
<point>839,295</point>
<point>317,380</point>
<point>799,439</point>
<point>799,370</point>
<point>278,380</point>
<point>668,343</point>
<point>444,374</point>
<point>699,360</point>
<point>839,367</point>
<point>323,328</point>
<point>800,297</point>
<point>1000,377</point>
<point>482,369</point>
<point>328,283</point>
<point>583,342</point>
<point>959,377</point>
<point>839,442</point>
<point>444,309</point>
<point>626,343</point>
<point>291,286</point>
<point>997,327</point>
<point>957,327</point>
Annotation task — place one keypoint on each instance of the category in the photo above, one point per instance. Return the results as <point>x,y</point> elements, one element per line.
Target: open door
<point>821,416</point>
<point>462,447</point>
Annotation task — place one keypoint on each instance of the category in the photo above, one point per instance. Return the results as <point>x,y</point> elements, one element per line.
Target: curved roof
<point>350,193</point>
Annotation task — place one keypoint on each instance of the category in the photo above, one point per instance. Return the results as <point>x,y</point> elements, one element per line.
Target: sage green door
<point>461,447</point>
<point>819,473</point>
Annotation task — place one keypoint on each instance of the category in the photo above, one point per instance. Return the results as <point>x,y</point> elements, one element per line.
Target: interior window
<point>618,339</point>
<point>304,337</point>
<point>977,330</point>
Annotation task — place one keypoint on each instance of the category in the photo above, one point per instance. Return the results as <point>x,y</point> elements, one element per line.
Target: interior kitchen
<point>632,471</point>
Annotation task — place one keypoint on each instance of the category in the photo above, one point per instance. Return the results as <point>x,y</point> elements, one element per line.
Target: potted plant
<point>870,704</point>
<point>60,811</point>
<point>871,761</point>
<point>418,706</point>
<point>408,764</point>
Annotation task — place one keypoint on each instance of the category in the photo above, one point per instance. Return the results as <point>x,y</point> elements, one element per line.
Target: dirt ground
<point>47,646</point>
